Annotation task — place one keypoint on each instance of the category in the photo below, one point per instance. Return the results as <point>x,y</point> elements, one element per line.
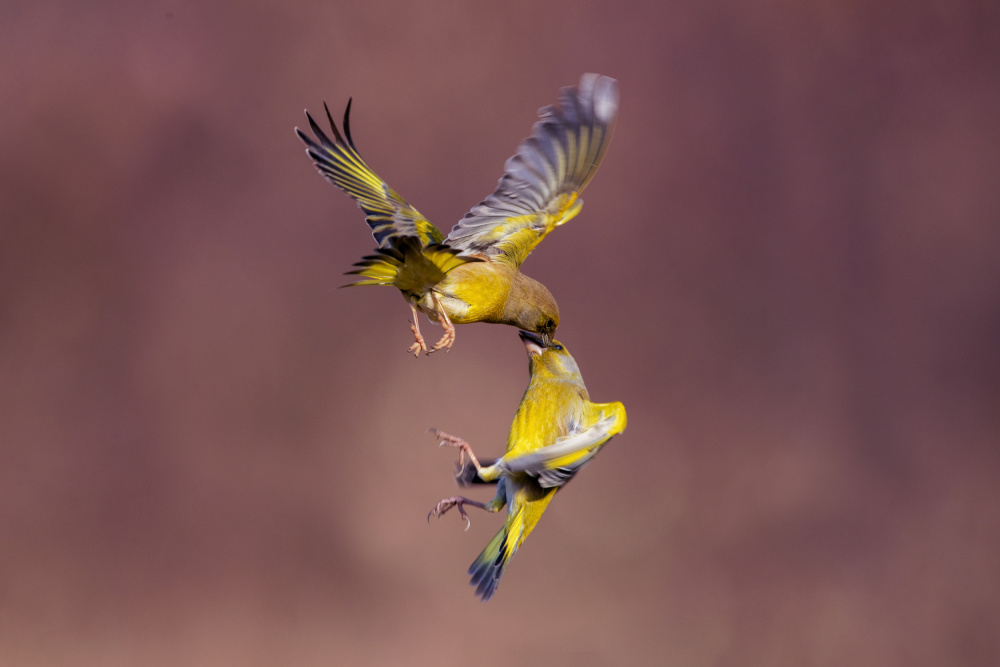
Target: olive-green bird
<point>556,431</point>
<point>473,275</point>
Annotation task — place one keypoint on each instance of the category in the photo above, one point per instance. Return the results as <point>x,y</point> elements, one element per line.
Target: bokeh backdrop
<point>787,268</point>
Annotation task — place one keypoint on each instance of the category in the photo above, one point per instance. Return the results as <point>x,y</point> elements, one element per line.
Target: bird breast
<point>477,292</point>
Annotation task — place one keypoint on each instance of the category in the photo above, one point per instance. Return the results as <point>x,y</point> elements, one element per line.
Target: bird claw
<point>443,506</point>
<point>456,501</point>
<point>464,448</point>
<point>419,345</point>
<point>447,340</point>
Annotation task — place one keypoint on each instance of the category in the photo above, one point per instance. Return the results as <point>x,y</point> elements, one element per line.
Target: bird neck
<point>547,371</point>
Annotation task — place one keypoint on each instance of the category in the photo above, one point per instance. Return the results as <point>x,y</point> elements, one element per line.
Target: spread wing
<point>557,463</point>
<point>387,213</point>
<point>541,186</point>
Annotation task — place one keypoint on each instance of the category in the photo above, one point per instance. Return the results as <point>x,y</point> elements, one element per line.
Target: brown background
<point>787,269</point>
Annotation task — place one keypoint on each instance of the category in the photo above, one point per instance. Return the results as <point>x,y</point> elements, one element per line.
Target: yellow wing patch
<point>387,213</point>
<point>542,182</point>
<point>519,236</point>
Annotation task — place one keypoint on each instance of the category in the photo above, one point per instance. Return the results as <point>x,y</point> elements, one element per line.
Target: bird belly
<point>456,309</point>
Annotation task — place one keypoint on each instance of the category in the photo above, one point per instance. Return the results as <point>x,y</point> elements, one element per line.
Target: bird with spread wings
<point>473,274</point>
<point>556,432</point>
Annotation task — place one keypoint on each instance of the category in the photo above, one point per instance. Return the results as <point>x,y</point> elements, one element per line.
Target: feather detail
<point>542,182</point>
<point>409,265</point>
<point>387,213</point>
<point>489,566</point>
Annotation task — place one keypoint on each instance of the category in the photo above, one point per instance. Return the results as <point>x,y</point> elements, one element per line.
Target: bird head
<point>531,307</point>
<point>539,319</point>
<point>549,358</point>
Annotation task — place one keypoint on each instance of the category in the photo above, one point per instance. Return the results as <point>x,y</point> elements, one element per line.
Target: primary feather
<point>387,213</point>
<point>542,182</point>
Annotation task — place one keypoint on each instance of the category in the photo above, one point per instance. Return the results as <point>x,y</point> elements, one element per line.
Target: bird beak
<point>533,343</point>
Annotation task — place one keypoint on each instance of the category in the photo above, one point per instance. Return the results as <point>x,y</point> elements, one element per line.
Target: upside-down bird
<point>473,275</point>
<point>556,431</point>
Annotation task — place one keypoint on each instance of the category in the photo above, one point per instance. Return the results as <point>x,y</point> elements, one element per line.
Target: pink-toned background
<point>788,269</point>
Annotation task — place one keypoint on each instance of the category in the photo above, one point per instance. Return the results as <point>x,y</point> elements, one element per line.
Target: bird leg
<point>454,441</point>
<point>486,473</point>
<point>466,474</point>
<point>419,346</point>
<point>449,329</point>
<point>459,502</point>
<point>489,474</point>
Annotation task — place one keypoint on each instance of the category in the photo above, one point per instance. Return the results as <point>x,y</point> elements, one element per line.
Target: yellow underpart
<point>484,286</point>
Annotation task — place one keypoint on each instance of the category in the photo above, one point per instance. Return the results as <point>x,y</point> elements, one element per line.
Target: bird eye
<point>550,324</point>
<point>559,348</point>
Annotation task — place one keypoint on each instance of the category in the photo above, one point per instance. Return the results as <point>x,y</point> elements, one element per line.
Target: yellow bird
<point>473,275</point>
<point>556,431</point>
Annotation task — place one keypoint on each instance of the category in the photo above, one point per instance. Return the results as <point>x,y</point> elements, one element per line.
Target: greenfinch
<point>556,431</point>
<point>473,275</point>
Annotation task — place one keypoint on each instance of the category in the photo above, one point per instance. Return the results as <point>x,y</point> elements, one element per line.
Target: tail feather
<point>408,264</point>
<point>378,269</point>
<point>487,569</point>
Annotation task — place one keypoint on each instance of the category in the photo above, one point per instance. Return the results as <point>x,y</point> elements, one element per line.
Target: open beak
<point>533,343</point>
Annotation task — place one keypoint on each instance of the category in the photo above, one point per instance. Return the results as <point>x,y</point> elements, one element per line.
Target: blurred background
<point>787,269</point>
